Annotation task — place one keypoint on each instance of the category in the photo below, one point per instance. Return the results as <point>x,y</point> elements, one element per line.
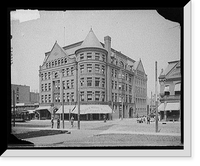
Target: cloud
<point>25,15</point>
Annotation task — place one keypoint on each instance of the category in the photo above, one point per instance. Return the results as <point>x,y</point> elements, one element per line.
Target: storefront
<point>169,111</point>
<point>87,112</point>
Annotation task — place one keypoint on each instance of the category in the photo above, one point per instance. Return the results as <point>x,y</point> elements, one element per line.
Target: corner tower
<point>92,74</point>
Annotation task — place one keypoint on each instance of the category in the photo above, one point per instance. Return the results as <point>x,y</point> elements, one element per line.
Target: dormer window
<point>65,60</point>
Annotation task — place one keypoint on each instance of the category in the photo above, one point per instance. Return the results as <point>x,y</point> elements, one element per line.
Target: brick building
<point>108,81</point>
<point>170,92</point>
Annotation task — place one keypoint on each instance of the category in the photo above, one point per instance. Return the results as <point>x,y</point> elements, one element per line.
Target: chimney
<point>107,46</point>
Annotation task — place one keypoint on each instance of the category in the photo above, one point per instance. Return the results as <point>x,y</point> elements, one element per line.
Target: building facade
<point>99,74</point>
<point>170,92</point>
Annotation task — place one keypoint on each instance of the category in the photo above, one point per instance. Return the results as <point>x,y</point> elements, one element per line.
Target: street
<point>126,132</point>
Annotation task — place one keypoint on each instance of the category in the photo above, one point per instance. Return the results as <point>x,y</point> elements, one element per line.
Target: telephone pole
<point>156,97</point>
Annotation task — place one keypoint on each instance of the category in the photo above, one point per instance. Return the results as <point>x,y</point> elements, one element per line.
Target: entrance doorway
<point>131,112</point>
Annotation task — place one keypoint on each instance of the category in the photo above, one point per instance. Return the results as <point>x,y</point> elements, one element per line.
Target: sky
<point>139,34</point>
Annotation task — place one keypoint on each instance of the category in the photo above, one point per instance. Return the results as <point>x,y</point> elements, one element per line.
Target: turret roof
<point>91,41</point>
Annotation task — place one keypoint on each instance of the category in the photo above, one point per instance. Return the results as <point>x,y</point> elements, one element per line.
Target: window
<point>103,57</point>
<point>97,95</point>
<point>103,69</point>
<point>166,90</point>
<point>130,88</point>
<point>47,65</point>
<point>65,60</point>
<point>63,84</point>
<point>52,64</point>
<point>126,87</point>
<point>49,75</point>
<point>177,88</point>
<point>82,96</point>
<point>112,72</point>
<point>42,76</point>
<point>97,81</point>
<point>72,83</point>
<point>103,96</point>
<point>55,62</point>
<point>126,77</point>
<point>56,75</point>
<point>58,61</point>
<point>130,98</point>
<point>72,97</point>
<point>42,98</point>
<point>89,68</point>
<point>67,84</point>
<point>89,96</point>
<point>67,71</point>
<point>97,68</point>
<point>82,81</point>
<point>45,76</point>
<point>126,99</point>
<point>67,97</point>
<point>115,97</point>
<point>42,87</point>
<point>129,79</point>
<point>103,82</point>
<point>72,70</point>
<point>112,84</point>
<point>115,84</point>
<point>89,55</point>
<point>115,73</point>
<point>81,68</point>
<point>89,81</point>
<point>49,98</point>
<point>62,61</point>
<point>45,87</point>
<point>97,56</point>
<point>120,86</point>
<point>63,72</point>
<point>81,56</point>
<point>49,87</point>
<point>58,97</point>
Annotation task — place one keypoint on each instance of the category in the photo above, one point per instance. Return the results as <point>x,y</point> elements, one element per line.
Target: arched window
<point>65,60</point>
<point>121,64</point>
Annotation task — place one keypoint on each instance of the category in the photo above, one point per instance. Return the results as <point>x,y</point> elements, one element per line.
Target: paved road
<point>97,133</point>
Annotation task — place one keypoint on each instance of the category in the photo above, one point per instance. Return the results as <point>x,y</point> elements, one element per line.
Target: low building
<point>170,92</point>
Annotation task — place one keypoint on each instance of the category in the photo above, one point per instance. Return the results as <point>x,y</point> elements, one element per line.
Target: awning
<point>172,106</point>
<point>161,107</point>
<point>43,108</point>
<point>177,87</point>
<point>31,111</point>
<point>87,109</point>
<point>66,109</point>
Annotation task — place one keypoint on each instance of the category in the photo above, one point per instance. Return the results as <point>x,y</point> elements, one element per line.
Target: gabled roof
<point>170,66</point>
<point>91,41</point>
<point>55,53</point>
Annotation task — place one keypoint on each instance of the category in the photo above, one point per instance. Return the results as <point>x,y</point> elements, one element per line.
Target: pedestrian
<point>52,122</point>
<point>72,121</point>
<point>104,118</point>
<point>58,123</point>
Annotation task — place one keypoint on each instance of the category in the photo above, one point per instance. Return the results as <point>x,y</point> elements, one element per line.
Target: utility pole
<point>63,115</point>
<point>78,94</point>
<point>13,108</point>
<point>156,97</point>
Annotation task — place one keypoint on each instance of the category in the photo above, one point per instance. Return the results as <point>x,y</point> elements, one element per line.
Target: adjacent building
<point>105,81</point>
<point>170,92</point>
